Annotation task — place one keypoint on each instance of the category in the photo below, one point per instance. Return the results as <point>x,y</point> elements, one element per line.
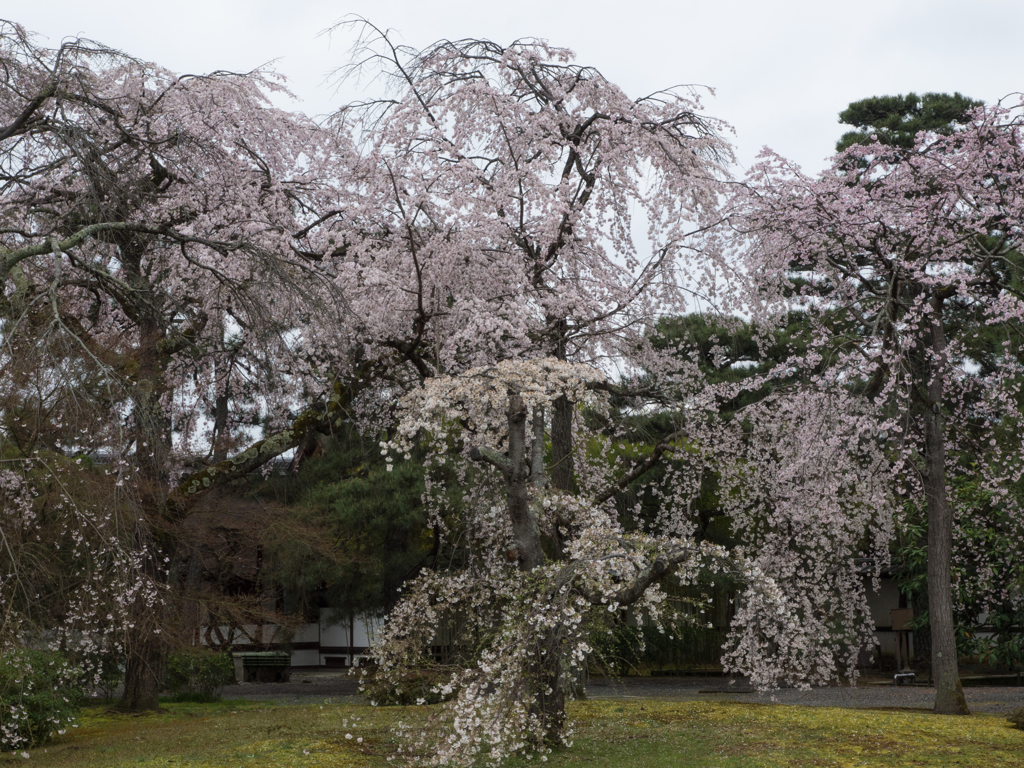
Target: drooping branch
<point>660,567</point>
<point>307,424</point>
<point>8,259</point>
<point>25,120</point>
<point>637,471</point>
<point>657,566</point>
<point>490,456</point>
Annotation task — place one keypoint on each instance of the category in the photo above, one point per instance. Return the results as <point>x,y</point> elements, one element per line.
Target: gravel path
<point>308,686</point>
<point>303,688</point>
<point>991,699</point>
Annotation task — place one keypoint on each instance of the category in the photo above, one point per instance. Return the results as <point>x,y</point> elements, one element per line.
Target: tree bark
<point>142,675</point>
<point>220,426</point>
<point>538,477</point>
<point>145,647</point>
<point>949,695</point>
<point>923,637</point>
<point>562,469</point>
<point>524,526</point>
<point>144,661</point>
<point>549,705</point>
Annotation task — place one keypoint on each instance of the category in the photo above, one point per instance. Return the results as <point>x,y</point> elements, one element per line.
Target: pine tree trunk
<point>949,695</point>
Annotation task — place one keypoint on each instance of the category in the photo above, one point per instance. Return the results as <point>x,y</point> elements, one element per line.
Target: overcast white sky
<point>782,69</point>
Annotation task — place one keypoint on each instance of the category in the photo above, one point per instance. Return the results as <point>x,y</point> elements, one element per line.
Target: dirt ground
<point>307,685</point>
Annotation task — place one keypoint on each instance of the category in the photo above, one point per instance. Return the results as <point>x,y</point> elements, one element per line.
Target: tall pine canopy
<point>896,120</point>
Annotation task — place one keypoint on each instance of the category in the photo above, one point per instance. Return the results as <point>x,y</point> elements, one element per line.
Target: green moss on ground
<point>651,734</point>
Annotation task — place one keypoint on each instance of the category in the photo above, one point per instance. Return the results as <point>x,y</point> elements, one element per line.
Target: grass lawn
<point>648,734</point>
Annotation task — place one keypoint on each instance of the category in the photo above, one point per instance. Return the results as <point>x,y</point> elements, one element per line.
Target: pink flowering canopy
<point>876,251</point>
<point>148,203</point>
<point>511,202</point>
<point>907,268</point>
<point>518,227</point>
<point>153,292</point>
<point>476,262</point>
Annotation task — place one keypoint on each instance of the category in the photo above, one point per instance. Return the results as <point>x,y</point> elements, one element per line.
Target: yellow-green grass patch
<point>649,734</point>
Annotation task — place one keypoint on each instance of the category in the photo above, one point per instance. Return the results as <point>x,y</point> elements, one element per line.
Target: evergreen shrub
<point>198,674</point>
<point>40,695</point>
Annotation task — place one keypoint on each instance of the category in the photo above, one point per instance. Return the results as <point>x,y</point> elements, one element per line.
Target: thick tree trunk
<point>563,478</point>
<point>143,669</point>
<point>562,470</point>
<point>923,637</point>
<point>220,426</point>
<point>145,647</point>
<point>538,477</point>
<point>949,695</point>
<point>549,705</point>
<point>525,528</point>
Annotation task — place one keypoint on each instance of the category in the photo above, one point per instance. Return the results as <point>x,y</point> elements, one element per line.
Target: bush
<point>40,694</point>
<point>621,649</point>
<point>198,674</point>
<point>1017,718</point>
<point>617,647</point>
